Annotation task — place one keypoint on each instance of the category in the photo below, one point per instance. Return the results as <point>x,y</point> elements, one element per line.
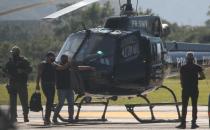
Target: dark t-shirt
<point>63,79</point>
<point>48,73</point>
<point>189,76</point>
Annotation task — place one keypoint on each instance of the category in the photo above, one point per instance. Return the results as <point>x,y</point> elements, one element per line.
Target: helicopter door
<point>130,60</point>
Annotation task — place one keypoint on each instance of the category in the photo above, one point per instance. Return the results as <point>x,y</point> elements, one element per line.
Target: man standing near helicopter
<point>189,83</point>
<point>17,69</point>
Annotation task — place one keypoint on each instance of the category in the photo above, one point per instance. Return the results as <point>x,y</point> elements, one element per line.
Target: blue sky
<point>183,12</point>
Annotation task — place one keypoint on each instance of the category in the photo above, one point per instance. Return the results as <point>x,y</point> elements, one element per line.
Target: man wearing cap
<point>17,69</point>
<point>190,73</point>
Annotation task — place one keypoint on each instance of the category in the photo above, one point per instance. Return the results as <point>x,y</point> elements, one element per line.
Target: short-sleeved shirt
<point>63,79</point>
<point>189,76</point>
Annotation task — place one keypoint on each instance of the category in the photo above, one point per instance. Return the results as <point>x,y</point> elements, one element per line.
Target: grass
<point>163,95</point>
<point>160,95</point>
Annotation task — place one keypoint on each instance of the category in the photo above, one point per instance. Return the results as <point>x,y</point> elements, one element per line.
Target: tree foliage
<point>36,38</point>
<point>208,21</point>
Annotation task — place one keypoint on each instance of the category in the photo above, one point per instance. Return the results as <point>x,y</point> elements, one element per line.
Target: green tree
<point>146,12</point>
<point>208,21</point>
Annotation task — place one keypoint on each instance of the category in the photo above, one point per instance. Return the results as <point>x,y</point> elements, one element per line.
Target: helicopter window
<point>156,28</point>
<point>156,53</point>
<point>71,45</point>
<point>153,49</point>
<point>148,24</point>
<point>97,45</point>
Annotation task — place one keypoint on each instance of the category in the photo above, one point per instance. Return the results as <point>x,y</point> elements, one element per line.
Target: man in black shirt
<point>17,69</point>
<point>46,73</point>
<point>64,90</point>
<point>189,83</point>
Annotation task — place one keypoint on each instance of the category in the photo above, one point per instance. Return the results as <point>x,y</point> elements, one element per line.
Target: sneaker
<point>54,120</point>
<point>194,126</point>
<point>181,126</point>
<point>70,120</point>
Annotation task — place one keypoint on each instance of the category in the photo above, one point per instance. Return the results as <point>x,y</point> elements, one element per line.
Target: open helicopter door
<point>131,66</point>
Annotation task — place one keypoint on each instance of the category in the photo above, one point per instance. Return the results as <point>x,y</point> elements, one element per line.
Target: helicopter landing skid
<point>130,108</point>
<point>87,100</point>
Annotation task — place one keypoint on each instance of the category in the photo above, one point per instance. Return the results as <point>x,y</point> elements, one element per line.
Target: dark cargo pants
<point>22,92</point>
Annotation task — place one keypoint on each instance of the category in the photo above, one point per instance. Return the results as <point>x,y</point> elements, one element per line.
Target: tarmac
<point>117,119</point>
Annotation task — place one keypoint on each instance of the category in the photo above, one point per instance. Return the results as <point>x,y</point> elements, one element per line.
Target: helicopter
<point>126,57</point>
<point>127,51</point>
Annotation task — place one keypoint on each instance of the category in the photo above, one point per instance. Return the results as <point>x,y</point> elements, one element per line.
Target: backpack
<point>35,102</point>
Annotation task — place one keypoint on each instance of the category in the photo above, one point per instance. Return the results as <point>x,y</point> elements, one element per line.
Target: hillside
<point>22,30</point>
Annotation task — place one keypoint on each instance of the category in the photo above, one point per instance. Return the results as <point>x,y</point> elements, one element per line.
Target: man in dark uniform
<point>17,69</point>
<point>190,73</point>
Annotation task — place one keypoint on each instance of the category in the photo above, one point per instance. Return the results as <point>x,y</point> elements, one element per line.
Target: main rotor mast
<point>127,8</point>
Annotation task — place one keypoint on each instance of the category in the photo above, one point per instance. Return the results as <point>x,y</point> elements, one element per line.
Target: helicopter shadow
<point>81,123</point>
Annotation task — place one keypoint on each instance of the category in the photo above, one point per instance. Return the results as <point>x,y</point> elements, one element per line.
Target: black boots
<point>182,125</point>
<point>26,118</point>
<point>194,125</point>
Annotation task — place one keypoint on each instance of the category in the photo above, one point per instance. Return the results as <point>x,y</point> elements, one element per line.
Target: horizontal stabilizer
<point>183,46</point>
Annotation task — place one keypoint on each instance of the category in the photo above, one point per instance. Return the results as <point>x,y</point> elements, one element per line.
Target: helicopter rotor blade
<point>70,9</point>
<point>25,7</point>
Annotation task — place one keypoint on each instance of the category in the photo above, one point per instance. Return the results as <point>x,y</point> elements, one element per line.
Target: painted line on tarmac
<point>128,115</point>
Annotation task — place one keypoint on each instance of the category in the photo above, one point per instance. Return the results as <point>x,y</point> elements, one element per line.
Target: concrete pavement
<point>118,119</point>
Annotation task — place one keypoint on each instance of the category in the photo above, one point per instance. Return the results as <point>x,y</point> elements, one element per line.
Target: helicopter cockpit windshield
<point>97,47</point>
<point>71,45</point>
